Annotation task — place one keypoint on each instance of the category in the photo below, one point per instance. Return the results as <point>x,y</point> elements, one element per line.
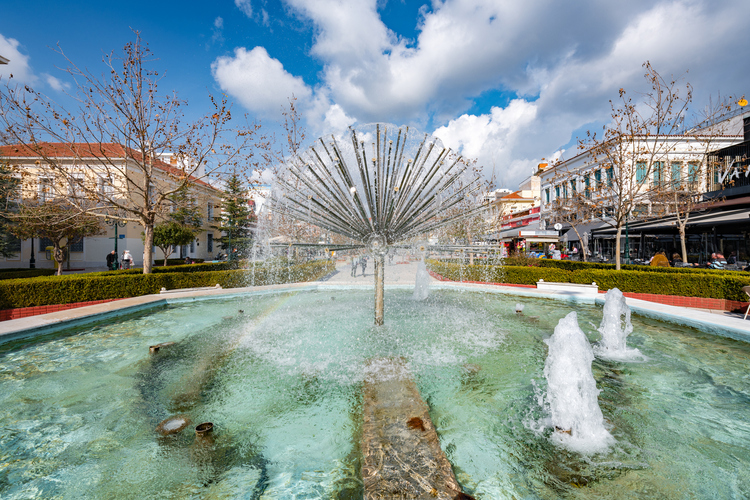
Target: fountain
<point>422,280</point>
<point>376,192</point>
<point>283,385</point>
<point>571,397</point>
<point>300,396</point>
<point>615,328</point>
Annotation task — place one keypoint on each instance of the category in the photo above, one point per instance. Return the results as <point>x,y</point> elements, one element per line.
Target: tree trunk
<point>580,242</point>
<point>683,243</point>
<point>148,250</point>
<point>59,255</point>
<point>618,260</point>
<point>167,255</point>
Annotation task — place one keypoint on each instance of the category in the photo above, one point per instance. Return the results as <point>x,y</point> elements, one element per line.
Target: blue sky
<point>506,82</point>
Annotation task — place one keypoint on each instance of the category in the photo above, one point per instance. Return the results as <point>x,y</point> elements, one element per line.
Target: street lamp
<point>115,223</point>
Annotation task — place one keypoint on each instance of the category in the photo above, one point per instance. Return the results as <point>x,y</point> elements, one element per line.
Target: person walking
<point>127,259</point>
<point>354,266</point>
<point>112,261</point>
<point>363,263</point>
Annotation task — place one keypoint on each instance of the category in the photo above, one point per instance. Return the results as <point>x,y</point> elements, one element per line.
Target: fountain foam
<point>422,282</point>
<point>615,330</point>
<point>571,398</point>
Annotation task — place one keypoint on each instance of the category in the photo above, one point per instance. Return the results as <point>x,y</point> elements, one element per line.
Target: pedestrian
<point>363,263</point>
<point>354,266</point>
<point>127,259</point>
<point>112,261</point>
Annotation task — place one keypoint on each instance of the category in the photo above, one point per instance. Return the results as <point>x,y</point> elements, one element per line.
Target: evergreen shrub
<point>724,285</point>
<point>11,274</point>
<point>121,284</point>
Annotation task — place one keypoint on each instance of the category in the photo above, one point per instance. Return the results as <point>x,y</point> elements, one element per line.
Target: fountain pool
<point>282,383</point>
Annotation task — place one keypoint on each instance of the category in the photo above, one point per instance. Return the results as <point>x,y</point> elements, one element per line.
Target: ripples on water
<point>282,380</point>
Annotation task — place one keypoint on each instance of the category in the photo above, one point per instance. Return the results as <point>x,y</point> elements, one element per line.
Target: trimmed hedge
<point>574,265</point>
<point>12,274</point>
<point>118,284</point>
<point>175,262</point>
<point>695,284</point>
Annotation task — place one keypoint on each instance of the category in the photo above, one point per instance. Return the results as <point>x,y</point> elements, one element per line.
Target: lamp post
<point>115,223</point>
<point>627,243</point>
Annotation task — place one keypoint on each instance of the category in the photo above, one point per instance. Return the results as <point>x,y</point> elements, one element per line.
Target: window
<point>573,187</point>
<point>45,189</point>
<point>192,246</point>
<point>77,246</point>
<point>598,179</point>
<point>587,185</point>
<point>557,191</point>
<point>610,176</point>
<point>105,186</point>
<point>75,184</point>
<point>694,169</point>
<point>640,171</point>
<point>676,174</point>
<point>13,244</point>
<point>44,243</point>
<point>210,212</point>
<point>565,190</point>
<point>658,174</point>
<point>210,236</point>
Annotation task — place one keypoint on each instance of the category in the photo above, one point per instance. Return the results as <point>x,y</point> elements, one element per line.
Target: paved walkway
<point>398,273</point>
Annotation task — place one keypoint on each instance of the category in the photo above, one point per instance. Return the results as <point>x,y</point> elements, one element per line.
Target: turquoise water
<point>282,380</point>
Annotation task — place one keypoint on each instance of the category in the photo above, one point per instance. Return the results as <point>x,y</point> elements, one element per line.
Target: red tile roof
<point>101,151</point>
<point>514,196</point>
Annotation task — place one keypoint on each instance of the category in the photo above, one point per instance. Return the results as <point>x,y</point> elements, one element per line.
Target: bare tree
<point>56,220</point>
<point>633,146</point>
<point>113,148</point>
<point>576,210</point>
<point>681,194</point>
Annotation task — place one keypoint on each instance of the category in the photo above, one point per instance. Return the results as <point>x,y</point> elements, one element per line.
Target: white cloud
<point>245,6</point>
<point>218,30</point>
<point>336,120</point>
<point>55,83</point>
<point>18,64</point>
<point>491,138</point>
<point>258,81</point>
<point>560,61</point>
<point>262,85</point>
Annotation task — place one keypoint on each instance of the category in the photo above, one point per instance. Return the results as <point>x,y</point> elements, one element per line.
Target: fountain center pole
<point>379,287</point>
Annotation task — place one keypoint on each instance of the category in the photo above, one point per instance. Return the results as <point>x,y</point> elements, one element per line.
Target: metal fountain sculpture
<point>382,189</point>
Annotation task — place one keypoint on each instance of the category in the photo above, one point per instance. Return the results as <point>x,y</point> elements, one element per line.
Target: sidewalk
<point>398,273</point>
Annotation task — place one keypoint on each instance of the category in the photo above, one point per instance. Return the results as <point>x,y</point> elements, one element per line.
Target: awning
<point>583,228</point>
<point>697,220</point>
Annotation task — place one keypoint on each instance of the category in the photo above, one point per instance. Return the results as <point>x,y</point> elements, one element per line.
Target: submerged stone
<point>401,452</point>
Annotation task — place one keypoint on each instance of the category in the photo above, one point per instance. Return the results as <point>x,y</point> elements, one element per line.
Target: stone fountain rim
<point>43,324</point>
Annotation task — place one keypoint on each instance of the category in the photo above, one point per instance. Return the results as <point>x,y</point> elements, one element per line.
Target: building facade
<point>111,170</point>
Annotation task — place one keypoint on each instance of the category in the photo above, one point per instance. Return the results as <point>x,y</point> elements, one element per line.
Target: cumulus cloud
<point>18,64</point>
<point>258,81</point>
<point>573,92</point>
<point>560,63</point>
<point>262,85</point>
